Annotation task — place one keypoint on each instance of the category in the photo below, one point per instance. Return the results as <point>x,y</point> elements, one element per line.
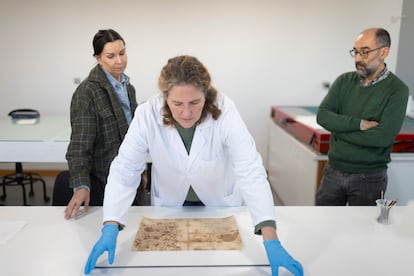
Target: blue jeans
<point>341,188</point>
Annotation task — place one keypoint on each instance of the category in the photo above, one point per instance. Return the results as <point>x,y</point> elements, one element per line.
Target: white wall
<point>259,52</point>
<point>405,58</point>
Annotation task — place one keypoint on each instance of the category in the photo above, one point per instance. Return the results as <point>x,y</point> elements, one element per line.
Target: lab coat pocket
<point>233,199</point>
<point>215,179</point>
<point>211,166</point>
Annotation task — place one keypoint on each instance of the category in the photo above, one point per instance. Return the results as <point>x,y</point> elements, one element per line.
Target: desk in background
<point>300,121</point>
<point>328,241</point>
<point>43,142</point>
<point>298,149</point>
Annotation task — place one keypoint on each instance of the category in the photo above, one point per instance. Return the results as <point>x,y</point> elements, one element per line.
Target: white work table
<point>42,142</point>
<point>328,241</point>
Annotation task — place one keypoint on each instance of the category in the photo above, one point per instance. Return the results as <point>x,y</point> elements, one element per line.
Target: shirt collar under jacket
<point>122,92</point>
<point>113,81</point>
<point>383,75</point>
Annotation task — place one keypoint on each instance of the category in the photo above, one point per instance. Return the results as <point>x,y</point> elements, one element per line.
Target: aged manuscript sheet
<point>187,234</point>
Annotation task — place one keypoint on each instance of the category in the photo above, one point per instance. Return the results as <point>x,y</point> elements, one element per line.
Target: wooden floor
<point>15,193</point>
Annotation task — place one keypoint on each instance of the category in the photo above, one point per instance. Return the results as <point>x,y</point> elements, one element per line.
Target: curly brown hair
<point>183,70</point>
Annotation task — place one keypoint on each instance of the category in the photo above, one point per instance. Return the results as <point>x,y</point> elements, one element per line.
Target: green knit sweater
<point>341,112</point>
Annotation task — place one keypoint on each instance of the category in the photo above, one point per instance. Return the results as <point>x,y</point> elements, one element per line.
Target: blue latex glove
<point>278,256</point>
<point>107,242</point>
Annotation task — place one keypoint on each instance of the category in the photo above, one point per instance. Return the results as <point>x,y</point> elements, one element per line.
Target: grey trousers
<point>358,189</point>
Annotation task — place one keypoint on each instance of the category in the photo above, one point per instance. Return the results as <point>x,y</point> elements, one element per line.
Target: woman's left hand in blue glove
<point>278,257</point>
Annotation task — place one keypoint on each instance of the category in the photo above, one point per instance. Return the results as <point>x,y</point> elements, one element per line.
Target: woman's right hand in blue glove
<point>107,242</point>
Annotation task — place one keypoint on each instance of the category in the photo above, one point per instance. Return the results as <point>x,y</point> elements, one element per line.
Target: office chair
<point>21,179</point>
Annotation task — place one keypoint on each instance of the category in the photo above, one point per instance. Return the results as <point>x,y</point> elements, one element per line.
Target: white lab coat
<point>223,167</point>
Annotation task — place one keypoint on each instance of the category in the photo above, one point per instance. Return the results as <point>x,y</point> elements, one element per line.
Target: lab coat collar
<point>202,132</point>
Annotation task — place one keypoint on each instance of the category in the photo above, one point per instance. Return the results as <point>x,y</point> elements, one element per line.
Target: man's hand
<point>79,197</point>
<point>365,124</point>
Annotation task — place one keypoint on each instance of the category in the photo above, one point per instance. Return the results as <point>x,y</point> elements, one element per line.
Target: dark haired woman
<point>101,110</point>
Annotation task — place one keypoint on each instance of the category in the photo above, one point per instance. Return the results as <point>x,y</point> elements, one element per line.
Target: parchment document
<point>187,234</point>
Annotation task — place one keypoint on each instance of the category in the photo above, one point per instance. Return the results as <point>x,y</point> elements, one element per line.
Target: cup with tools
<point>385,206</point>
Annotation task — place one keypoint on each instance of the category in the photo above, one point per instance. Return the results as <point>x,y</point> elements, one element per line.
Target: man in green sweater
<point>364,111</point>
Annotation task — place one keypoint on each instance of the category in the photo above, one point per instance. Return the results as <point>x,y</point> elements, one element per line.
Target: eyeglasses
<point>363,53</point>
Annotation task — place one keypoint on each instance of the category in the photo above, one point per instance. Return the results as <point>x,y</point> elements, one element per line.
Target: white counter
<point>328,241</point>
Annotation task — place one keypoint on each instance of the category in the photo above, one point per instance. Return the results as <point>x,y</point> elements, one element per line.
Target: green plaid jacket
<point>98,127</point>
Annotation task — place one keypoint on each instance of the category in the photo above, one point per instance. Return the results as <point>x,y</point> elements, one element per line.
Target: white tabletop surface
<point>42,142</point>
<point>327,240</point>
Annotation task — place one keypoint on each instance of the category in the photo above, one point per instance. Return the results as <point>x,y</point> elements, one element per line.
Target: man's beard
<point>364,71</point>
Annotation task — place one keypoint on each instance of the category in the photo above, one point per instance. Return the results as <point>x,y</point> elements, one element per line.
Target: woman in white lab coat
<point>201,153</point>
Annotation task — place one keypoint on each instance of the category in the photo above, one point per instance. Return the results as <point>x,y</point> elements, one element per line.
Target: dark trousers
<point>358,189</point>
<point>62,193</point>
<point>142,197</point>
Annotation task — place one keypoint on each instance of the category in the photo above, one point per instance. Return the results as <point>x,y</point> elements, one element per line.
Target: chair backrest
<point>62,193</point>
